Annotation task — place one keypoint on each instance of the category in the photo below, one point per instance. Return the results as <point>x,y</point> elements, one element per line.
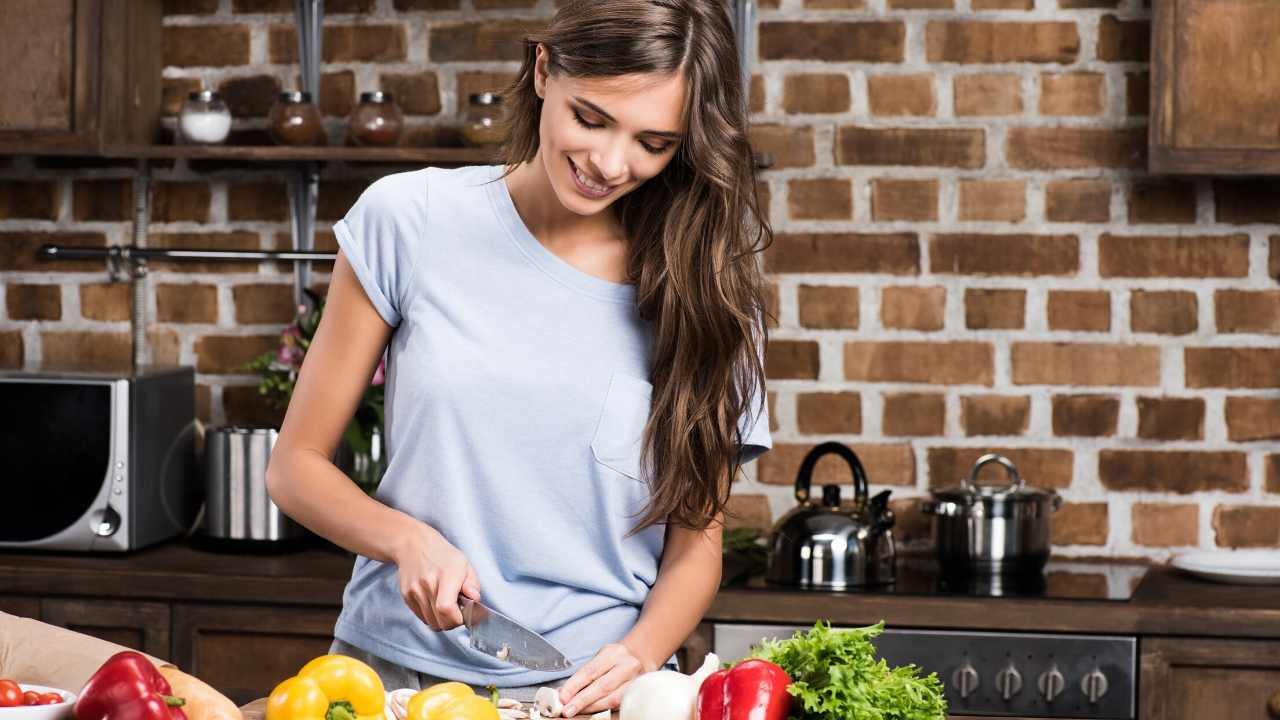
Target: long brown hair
<point>691,244</point>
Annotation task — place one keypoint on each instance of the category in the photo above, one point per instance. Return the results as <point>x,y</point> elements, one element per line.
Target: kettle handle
<point>805,475</point>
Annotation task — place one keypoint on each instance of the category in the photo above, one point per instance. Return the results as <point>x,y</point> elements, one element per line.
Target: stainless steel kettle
<point>833,545</point>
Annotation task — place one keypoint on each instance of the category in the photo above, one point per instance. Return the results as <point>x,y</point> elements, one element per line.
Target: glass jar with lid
<point>483,124</point>
<point>376,121</point>
<point>204,118</point>
<point>295,120</point>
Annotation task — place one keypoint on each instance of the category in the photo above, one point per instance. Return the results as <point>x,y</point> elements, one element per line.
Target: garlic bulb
<point>666,694</point>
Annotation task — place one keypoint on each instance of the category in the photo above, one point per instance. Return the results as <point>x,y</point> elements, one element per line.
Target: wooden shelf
<point>284,154</point>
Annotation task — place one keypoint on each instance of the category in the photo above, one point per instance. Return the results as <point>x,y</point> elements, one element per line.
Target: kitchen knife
<point>496,634</point>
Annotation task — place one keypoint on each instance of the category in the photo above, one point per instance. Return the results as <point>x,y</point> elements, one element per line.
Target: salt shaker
<point>204,118</point>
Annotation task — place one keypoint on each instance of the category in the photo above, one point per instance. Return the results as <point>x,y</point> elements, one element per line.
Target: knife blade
<point>496,634</point>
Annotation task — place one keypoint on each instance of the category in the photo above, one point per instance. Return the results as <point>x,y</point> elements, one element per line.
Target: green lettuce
<point>835,676</point>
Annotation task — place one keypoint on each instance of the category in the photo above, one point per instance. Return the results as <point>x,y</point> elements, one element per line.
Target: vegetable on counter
<point>203,702</point>
<point>128,687</point>
<point>450,701</point>
<point>330,687</point>
<point>750,690</point>
<point>835,676</point>
<point>665,694</point>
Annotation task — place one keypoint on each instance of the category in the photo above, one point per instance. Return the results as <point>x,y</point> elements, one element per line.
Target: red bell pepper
<point>750,690</point>
<point>128,687</point>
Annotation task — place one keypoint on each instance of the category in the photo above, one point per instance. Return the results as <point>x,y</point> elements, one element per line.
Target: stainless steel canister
<point>237,506</point>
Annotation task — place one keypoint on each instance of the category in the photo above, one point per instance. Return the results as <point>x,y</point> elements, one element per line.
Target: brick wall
<point>969,254</point>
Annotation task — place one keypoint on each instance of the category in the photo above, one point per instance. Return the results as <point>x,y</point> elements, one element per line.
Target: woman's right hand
<point>433,573</point>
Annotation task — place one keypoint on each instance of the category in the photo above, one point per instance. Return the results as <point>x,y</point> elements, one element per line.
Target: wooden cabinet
<point>82,76</point>
<point>1215,87</point>
<point>140,625</point>
<point>1196,678</point>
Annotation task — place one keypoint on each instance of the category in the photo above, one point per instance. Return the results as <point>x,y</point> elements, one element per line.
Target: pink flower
<point>289,354</point>
<point>380,375</point>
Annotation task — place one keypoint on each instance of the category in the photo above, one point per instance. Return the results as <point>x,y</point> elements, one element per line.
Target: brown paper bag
<point>43,654</point>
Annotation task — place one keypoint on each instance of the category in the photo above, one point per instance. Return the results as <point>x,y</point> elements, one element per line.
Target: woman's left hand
<point>600,683</point>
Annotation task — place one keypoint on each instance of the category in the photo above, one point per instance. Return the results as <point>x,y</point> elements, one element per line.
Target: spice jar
<point>204,118</point>
<point>294,120</point>
<point>376,121</point>
<point>483,123</point>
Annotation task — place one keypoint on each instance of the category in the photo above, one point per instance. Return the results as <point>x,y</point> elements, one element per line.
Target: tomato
<point>10,694</point>
<point>50,698</point>
<point>31,697</point>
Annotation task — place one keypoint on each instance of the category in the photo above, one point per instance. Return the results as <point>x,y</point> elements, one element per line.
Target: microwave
<point>97,462</point>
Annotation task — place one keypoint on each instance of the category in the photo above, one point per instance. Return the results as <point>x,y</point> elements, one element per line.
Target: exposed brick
<point>204,403</point>
<point>885,465</point>
<point>1081,524</point>
<point>1077,201</point>
<point>1002,4</point>
<point>1085,415</point>
<point>1085,364</point>
<point>995,414</point>
<point>790,146</point>
<point>1246,202</point>
<point>898,199</point>
<point>896,95</point>
<point>748,511</point>
<point>1084,310</point>
<point>1072,94</point>
<point>1244,311</point>
<point>257,200</point>
<point>1227,367</point>
<point>1137,92</point>
<point>1273,263</point>
<point>1162,203</point>
<point>237,240</point>
<point>987,95</point>
<point>28,200</point>
<point>773,304</point>
<point>1124,40</point>
<point>921,4</point>
<point>831,4</point>
<point>1253,418</point>
<point>336,198</point>
<point>410,5</point>
<point>773,411</point>
<point>1165,525</point>
<point>503,4</point>
<point>19,251</point>
<point>816,93</point>
<point>1181,472</point>
<point>921,147</point>
<point>470,83</point>
<point>838,413</point>
<point>106,200</point>
<point>250,96</point>
<point>756,95</point>
<point>1273,473</point>
<point>174,91</point>
<point>890,253</point>
<point>180,202</point>
<point>106,302</point>
<point>998,200</point>
<point>34,302</point>
<point>945,363</point>
<point>190,7</point>
<point>828,307</point>
<point>86,351</point>
<point>287,6</point>
<point>1002,42</point>
<point>1190,256</point>
<point>1169,312</point>
<point>1040,467</point>
<point>1087,4</point>
<point>416,93</point>
<point>833,41</point>
<point>1164,418</point>
<point>337,93</point>
<point>913,308</point>
<point>12,354</point>
<point>1051,148</point>
<point>357,43</point>
<point>263,303</point>
<point>1022,254</point>
<point>205,45</point>
<point>244,405</point>
<point>820,199</point>
<point>792,360</point>
<point>187,303</point>
<point>993,309</point>
<point>487,40</point>
<point>914,414</point>
<point>911,526</point>
<point>1246,526</point>
<point>227,354</point>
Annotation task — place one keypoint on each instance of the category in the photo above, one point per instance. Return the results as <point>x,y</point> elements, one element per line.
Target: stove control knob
<point>1094,685</point>
<point>965,679</point>
<point>1051,683</point>
<point>1009,682</point>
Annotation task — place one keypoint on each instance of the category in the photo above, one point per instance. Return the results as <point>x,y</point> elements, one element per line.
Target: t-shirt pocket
<point>620,431</point>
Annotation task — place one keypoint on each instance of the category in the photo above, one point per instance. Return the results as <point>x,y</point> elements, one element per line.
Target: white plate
<point>61,711</point>
<point>1245,567</point>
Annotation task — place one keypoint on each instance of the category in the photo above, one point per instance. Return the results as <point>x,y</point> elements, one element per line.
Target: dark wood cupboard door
<point>244,651</point>
<point>139,625</point>
<point>20,605</point>
<point>1197,678</point>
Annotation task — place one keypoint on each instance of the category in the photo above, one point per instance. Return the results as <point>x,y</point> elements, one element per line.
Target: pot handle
<point>1015,480</point>
<point>806,470</point>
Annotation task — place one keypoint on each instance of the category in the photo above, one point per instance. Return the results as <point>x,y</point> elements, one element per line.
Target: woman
<point>574,365</point>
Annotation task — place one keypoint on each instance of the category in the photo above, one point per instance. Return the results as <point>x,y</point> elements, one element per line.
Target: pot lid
<point>969,491</point>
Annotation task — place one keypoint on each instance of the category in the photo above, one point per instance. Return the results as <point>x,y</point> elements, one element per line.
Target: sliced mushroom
<point>509,703</point>
<point>547,702</point>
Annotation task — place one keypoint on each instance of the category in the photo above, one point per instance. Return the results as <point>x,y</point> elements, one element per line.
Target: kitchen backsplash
<point>969,252</point>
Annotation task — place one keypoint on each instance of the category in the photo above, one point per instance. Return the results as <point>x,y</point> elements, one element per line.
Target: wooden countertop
<point>1165,602</point>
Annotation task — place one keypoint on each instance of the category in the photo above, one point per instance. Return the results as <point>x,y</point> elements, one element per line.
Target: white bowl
<point>61,711</point>
<point>1244,567</point>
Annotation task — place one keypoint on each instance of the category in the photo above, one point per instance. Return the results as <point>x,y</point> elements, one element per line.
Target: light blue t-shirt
<point>516,395</point>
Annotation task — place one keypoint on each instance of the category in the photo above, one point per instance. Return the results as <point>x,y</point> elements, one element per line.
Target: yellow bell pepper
<point>450,701</point>
<point>331,687</point>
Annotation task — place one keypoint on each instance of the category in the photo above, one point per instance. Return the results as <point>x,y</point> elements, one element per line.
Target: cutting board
<point>257,710</point>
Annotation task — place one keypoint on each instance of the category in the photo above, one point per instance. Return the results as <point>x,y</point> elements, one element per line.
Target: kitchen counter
<point>1165,601</point>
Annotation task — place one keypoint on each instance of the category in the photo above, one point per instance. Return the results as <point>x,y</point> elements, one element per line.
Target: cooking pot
<point>238,513</point>
<point>833,545</point>
<point>986,529</point>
